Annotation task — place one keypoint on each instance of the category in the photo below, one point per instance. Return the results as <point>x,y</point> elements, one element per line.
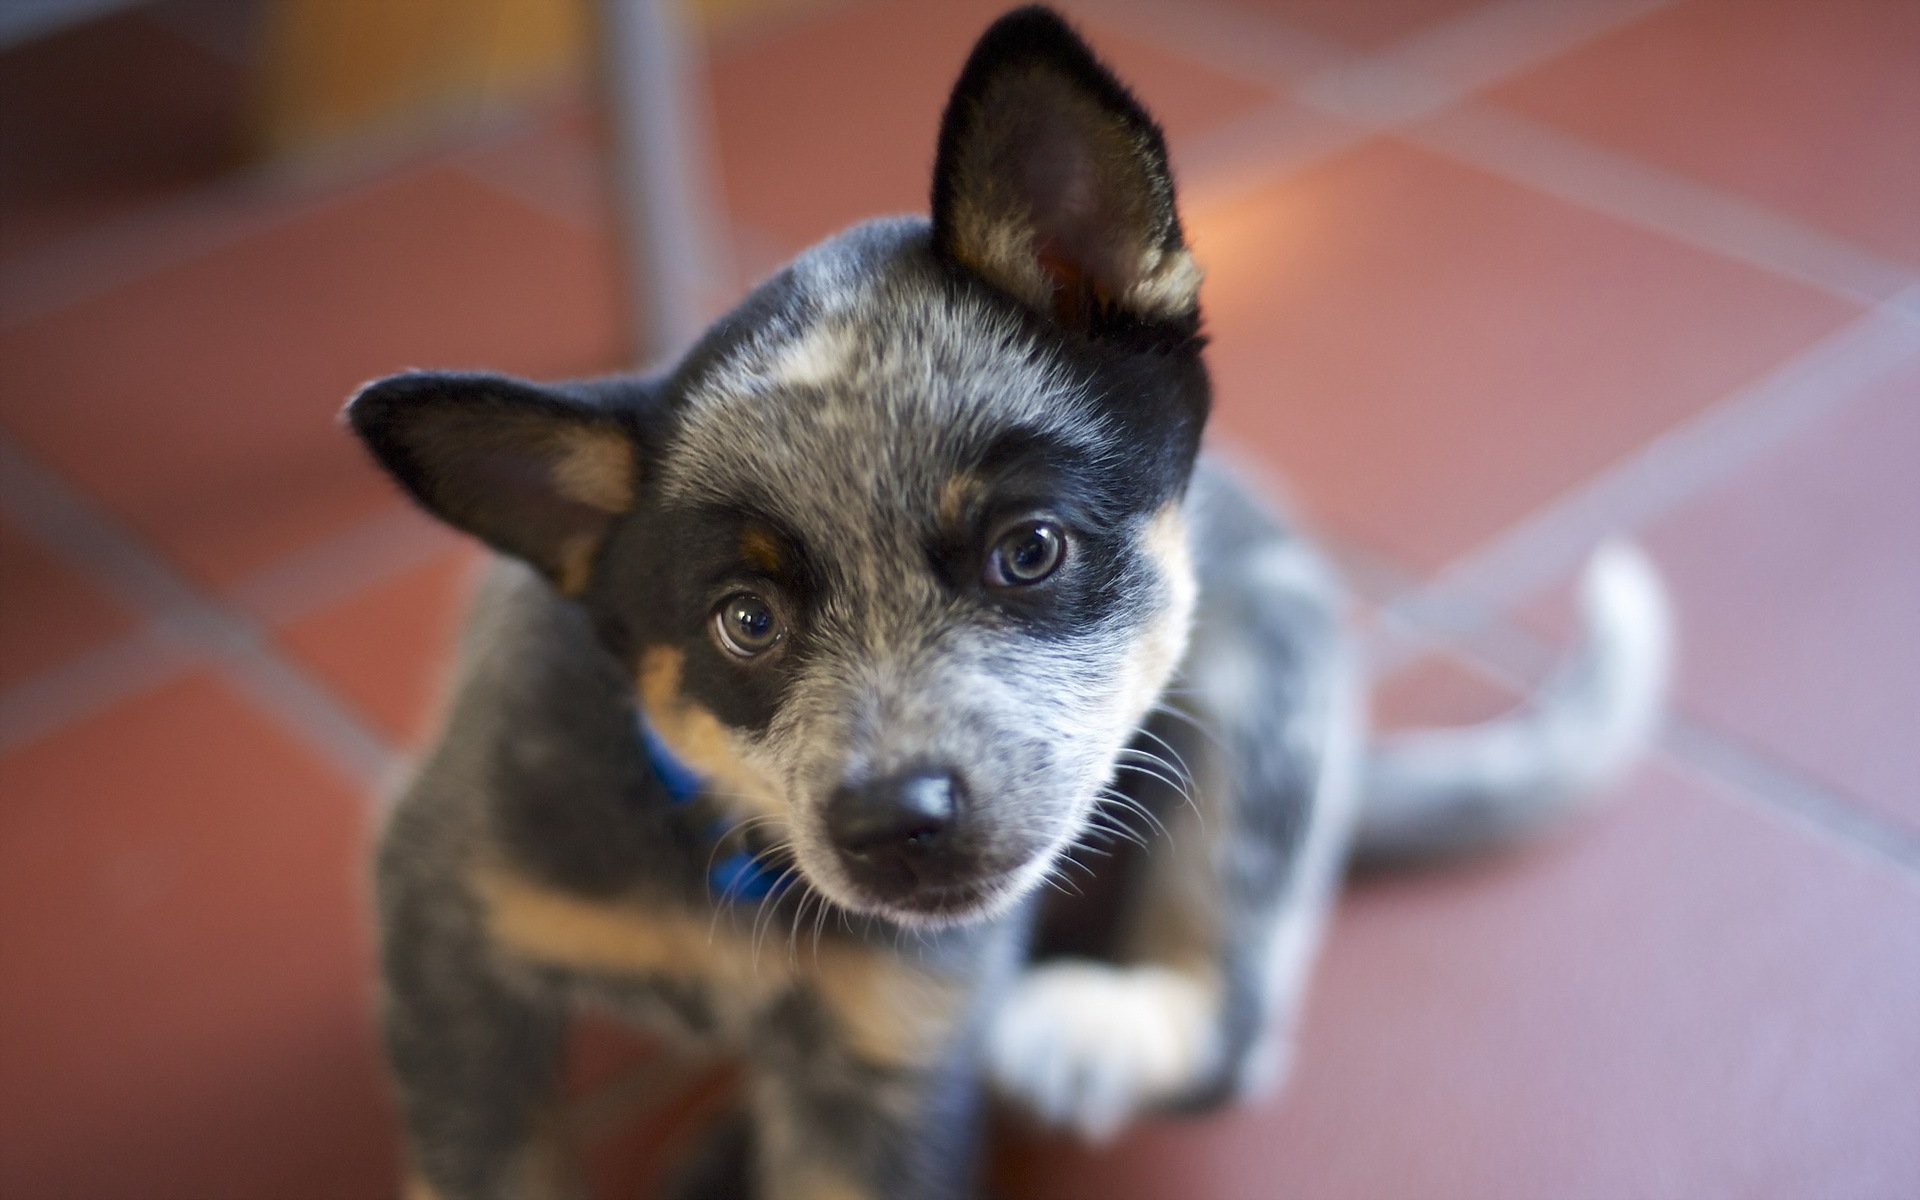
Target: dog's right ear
<point>529,470</point>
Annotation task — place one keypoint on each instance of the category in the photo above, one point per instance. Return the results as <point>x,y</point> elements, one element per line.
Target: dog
<point>892,694</point>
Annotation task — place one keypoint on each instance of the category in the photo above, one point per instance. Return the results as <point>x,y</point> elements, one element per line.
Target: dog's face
<point>896,555</point>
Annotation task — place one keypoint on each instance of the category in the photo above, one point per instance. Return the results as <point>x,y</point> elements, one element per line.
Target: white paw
<point>1089,1046</point>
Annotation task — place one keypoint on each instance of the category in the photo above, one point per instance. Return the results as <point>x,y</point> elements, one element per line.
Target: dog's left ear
<point>1051,182</point>
<point>532,471</point>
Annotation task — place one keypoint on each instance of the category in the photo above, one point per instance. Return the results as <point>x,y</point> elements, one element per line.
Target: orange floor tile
<point>1428,353</point>
<point>1804,108</point>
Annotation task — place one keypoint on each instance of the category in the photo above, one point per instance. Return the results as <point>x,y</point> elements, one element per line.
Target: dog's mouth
<point>955,901</point>
<point>950,902</point>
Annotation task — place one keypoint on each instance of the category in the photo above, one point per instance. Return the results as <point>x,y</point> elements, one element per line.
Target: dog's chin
<point>955,904</point>
<point>963,903</point>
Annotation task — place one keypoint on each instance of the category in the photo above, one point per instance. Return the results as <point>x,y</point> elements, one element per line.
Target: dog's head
<point>896,555</point>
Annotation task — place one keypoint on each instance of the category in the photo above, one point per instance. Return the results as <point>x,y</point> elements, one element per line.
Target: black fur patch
<point>487,454</point>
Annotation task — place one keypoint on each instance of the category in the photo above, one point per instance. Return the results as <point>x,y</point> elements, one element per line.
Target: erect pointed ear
<point>1052,182</point>
<point>529,470</point>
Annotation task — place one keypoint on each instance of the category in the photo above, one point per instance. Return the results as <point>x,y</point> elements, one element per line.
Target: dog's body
<point>898,594</point>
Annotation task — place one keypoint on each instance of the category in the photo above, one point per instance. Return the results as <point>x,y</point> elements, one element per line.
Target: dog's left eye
<point>1026,554</point>
<point>746,626</point>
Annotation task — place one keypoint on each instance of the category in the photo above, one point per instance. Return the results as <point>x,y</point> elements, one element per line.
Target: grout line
<point>298,585</point>
<point>1834,816</point>
<point>1445,62</point>
<point>90,264</point>
<point>207,219</point>
<point>1260,149</point>
<point>60,518</point>
<point>85,686</point>
<point>752,253</point>
<point>569,188</point>
<point>1685,462</point>
<point>1536,156</point>
<point>1252,48</point>
<point>316,577</point>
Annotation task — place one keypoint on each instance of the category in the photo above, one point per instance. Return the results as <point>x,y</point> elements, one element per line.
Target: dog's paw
<point>1089,1046</point>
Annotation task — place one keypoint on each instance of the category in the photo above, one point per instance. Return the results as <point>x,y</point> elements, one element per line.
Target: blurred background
<point>1486,280</point>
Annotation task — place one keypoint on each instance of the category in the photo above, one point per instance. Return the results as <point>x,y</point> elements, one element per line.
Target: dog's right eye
<point>746,626</point>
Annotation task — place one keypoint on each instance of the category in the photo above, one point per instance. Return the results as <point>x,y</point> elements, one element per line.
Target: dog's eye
<point>1026,554</point>
<point>745,625</point>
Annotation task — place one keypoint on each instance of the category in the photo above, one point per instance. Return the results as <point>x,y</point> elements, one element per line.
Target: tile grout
<point>297,585</point>
<point>1683,463</point>
<point>83,267</point>
<point>57,516</point>
<point>1729,762</point>
<point>1439,66</point>
<point>1253,48</point>
<point>1543,159</point>
<point>317,576</point>
<point>88,684</point>
<point>87,264</point>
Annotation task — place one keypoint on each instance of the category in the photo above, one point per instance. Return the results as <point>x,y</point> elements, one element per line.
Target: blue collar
<point>740,875</point>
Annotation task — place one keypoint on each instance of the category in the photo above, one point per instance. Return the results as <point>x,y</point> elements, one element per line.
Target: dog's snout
<point>898,829</point>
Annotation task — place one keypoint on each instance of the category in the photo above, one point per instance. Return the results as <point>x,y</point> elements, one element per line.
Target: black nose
<point>898,830</point>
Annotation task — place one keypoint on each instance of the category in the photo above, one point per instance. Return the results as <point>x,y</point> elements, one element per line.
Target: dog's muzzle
<point>911,840</point>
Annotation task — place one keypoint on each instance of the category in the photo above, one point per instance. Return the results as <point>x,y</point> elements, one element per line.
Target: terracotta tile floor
<point>1612,281</point>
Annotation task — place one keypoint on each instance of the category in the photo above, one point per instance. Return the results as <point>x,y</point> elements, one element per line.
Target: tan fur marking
<point>760,549</point>
<point>955,495</point>
<point>1161,646</point>
<point>700,738</point>
<point>573,563</point>
<point>417,1188</point>
<point>595,467</point>
<point>1003,252</point>
<point>1168,284</point>
<point>545,925</point>
<point>891,1014</point>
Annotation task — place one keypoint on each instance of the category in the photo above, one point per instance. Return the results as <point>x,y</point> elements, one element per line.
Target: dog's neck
<point>740,875</point>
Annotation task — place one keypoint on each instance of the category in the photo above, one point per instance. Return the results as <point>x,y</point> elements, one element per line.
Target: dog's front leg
<point>476,1083</point>
<point>866,1088</point>
<point>475,1061</point>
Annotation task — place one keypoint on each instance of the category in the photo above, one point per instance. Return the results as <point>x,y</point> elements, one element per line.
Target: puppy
<point>813,661</point>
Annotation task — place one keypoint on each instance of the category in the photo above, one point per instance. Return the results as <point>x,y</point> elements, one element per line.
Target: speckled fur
<point>847,440</point>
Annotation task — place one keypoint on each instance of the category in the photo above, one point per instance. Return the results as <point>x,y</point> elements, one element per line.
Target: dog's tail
<point>1436,793</point>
